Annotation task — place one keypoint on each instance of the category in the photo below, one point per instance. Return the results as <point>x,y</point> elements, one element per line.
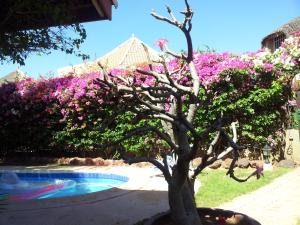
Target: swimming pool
<point>23,186</point>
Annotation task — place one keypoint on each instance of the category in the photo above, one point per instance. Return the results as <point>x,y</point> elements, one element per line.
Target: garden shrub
<point>72,115</point>
<point>26,124</point>
<point>254,90</point>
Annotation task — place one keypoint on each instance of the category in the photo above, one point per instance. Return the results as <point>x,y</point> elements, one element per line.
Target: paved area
<point>275,204</point>
<point>145,195</point>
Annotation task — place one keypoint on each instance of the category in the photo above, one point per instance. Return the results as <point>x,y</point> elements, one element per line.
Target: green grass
<point>298,222</point>
<point>217,188</point>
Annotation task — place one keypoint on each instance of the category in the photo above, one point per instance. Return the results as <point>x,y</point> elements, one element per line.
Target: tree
<point>171,94</point>
<point>17,44</point>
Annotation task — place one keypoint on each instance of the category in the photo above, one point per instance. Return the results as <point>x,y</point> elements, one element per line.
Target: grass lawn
<point>298,222</point>
<point>217,188</point>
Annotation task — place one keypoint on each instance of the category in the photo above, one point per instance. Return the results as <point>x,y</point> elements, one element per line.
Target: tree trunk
<point>182,206</point>
<point>181,193</point>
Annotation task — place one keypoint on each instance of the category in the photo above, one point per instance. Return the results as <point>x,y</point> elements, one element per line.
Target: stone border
<point>69,161</point>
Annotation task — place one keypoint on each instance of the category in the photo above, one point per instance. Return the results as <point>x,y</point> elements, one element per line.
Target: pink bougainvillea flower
<point>161,43</point>
<point>296,33</point>
<point>295,86</point>
<point>268,67</point>
<point>292,103</point>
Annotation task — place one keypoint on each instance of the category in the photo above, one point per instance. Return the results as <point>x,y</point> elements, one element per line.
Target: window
<point>278,41</point>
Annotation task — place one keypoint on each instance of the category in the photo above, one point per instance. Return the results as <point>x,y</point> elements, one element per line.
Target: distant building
<point>274,40</point>
<point>13,77</point>
<point>132,52</point>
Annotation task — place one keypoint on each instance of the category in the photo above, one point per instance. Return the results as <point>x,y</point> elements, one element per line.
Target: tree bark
<point>190,204</point>
<point>181,193</point>
<point>182,206</point>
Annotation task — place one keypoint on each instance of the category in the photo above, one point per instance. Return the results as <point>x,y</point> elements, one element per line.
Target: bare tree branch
<point>162,135</point>
<point>191,128</point>
<point>196,88</point>
<point>159,77</point>
<point>189,59</point>
<point>198,137</point>
<point>153,161</point>
<point>155,108</point>
<point>188,16</point>
<point>167,80</point>
<point>171,13</point>
<point>175,55</point>
<point>235,147</point>
<point>231,142</point>
<point>206,161</point>
<point>141,131</point>
<point>163,117</point>
<point>168,91</point>
<point>174,83</point>
<point>165,162</point>
<point>162,18</point>
<point>213,143</point>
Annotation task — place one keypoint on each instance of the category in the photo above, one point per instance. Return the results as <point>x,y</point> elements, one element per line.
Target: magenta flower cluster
<point>75,102</point>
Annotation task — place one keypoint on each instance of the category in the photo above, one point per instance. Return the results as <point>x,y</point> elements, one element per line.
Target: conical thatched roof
<point>130,53</point>
<point>13,77</point>
<point>286,29</point>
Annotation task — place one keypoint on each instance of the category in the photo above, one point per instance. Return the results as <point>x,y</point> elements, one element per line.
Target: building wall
<point>269,44</point>
<point>292,149</point>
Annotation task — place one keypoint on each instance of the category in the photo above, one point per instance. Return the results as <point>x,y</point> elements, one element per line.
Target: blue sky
<point>235,26</point>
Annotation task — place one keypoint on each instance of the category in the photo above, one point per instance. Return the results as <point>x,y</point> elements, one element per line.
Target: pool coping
<point>138,178</point>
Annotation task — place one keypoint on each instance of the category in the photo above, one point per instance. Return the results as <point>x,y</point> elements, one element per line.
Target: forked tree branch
<point>206,160</point>
<point>188,16</point>
<point>189,58</point>
<point>182,26</point>
<point>175,55</point>
<point>162,167</point>
<point>198,137</point>
<point>144,129</point>
<point>130,90</point>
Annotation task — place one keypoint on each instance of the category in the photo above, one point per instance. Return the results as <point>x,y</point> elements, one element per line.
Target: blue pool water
<point>22,186</point>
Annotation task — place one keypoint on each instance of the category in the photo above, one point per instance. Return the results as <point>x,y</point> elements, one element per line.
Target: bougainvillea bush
<point>254,89</point>
<point>27,118</point>
<point>71,115</point>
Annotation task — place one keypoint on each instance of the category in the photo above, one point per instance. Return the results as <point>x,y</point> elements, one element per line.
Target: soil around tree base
<point>209,216</point>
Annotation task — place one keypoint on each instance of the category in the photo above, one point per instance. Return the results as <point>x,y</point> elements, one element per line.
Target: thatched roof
<point>13,77</point>
<point>78,11</point>
<point>286,29</point>
<point>130,53</point>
